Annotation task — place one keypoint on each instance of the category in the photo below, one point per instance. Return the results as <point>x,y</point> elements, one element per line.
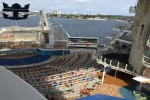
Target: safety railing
<point>118,66</point>
<point>17,28</point>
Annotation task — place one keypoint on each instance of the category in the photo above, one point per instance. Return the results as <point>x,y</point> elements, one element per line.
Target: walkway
<point>124,69</point>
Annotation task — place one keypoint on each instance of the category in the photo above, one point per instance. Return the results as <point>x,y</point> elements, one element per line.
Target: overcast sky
<point>109,7</point>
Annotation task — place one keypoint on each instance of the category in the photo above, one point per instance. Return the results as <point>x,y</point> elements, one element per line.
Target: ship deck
<point>113,85</point>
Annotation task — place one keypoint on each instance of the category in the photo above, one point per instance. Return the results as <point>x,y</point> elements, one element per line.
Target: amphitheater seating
<point>90,85</point>
<point>23,61</point>
<point>63,90</point>
<point>71,69</point>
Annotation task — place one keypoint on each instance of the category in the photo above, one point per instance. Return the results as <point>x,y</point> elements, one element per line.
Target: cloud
<point>81,6</point>
<point>82,1</point>
<point>124,8</point>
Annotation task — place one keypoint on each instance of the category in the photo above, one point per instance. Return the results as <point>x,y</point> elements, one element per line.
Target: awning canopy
<point>103,97</point>
<point>142,79</point>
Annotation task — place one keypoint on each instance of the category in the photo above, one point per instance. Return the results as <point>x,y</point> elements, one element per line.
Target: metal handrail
<point>120,66</point>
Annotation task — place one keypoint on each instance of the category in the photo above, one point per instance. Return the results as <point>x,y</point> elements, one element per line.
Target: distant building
<point>74,13</point>
<point>57,12</point>
<point>92,14</point>
<point>103,14</point>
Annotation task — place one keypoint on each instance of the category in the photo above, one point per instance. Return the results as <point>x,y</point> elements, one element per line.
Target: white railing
<point>17,28</point>
<point>119,66</point>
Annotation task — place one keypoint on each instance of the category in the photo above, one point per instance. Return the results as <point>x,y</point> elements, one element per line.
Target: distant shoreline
<point>103,19</point>
<point>95,19</point>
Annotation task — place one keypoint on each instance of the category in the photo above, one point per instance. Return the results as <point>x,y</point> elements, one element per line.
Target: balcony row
<point>146,61</point>
<point>121,37</point>
<point>132,9</point>
<point>148,42</point>
<point>127,28</point>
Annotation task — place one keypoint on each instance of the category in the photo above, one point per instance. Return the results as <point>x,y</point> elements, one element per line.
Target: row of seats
<point>71,69</point>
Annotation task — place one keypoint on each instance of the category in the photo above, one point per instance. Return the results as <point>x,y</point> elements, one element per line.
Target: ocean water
<point>89,28</point>
<point>74,27</point>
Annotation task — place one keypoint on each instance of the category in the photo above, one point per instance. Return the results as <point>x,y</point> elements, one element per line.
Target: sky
<point>109,7</point>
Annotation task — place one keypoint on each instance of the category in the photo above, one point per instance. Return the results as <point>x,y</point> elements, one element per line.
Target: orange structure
<point>85,85</point>
<point>85,92</point>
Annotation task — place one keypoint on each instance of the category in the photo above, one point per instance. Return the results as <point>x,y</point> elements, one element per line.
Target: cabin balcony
<point>146,61</point>
<point>132,9</point>
<point>120,37</point>
<point>127,28</point>
<point>128,31</point>
<point>117,28</point>
<point>148,43</point>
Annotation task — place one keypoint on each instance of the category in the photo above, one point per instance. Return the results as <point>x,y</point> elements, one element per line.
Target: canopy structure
<point>103,97</point>
<point>14,88</point>
<point>141,80</point>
